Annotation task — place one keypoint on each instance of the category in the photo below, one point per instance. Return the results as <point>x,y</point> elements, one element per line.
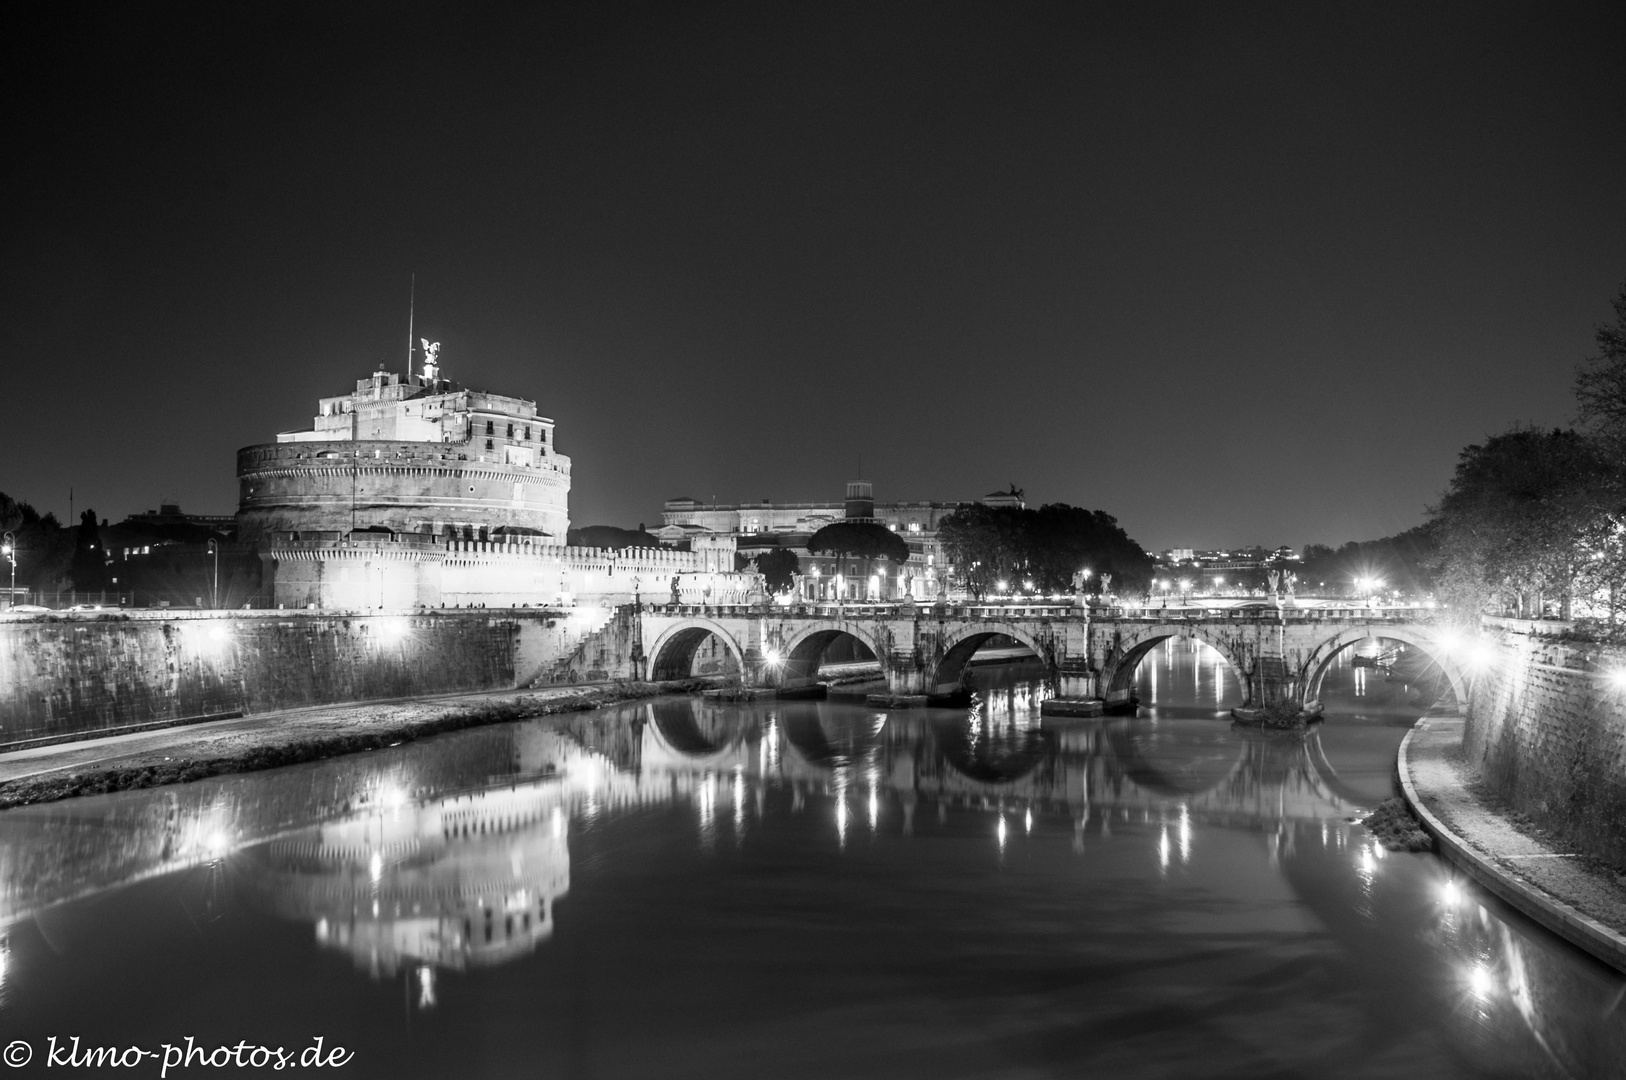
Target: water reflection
<point>453,855</point>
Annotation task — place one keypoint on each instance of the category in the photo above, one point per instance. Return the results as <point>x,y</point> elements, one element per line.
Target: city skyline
<point>1233,277</point>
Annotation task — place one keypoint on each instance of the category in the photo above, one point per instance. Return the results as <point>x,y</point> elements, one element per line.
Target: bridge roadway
<point>1088,652</point>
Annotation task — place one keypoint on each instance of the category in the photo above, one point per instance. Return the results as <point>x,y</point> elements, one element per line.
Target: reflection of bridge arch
<point>1322,657</point>
<point>826,738</point>
<point>958,652</point>
<point>994,757</point>
<point>1129,745</point>
<point>672,654</point>
<point>803,651</point>
<point>1119,674</point>
<point>675,728</point>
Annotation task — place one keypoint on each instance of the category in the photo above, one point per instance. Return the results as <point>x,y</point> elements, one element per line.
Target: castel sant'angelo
<point>418,492</point>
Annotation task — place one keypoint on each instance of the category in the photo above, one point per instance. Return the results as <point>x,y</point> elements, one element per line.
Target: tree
<point>863,540</point>
<point>1600,382</point>
<point>44,547</point>
<point>1047,546</point>
<point>1404,562</point>
<point>778,567</point>
<point>984,545</point>
<point>1522,514</point>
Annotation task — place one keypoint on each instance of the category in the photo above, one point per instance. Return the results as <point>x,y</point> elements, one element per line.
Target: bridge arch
<point>1425,638</point>
<point>673,652</point>
<point>801,653</point>
<point>958,651</point>
<point>1118,676</point>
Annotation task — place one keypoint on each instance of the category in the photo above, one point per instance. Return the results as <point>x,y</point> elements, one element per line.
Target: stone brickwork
<point>392,572</point>
<point>1546,730</point>
<point>76,677</point>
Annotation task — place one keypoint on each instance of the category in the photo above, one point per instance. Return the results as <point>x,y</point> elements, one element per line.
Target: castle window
<point>510,431</point>
<point>527,432</point>
<point>489,446</point>
<point>491,429</point>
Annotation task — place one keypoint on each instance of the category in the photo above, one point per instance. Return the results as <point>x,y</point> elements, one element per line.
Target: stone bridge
<point>1088,652</point>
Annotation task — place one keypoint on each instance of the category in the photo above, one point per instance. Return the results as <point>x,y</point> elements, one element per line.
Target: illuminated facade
<point>764,526</point>
<point>416,492</point>
<point>419,455</point>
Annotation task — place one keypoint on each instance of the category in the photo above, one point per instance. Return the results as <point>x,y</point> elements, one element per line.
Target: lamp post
<point>9,550</point>
<point>214,585</point>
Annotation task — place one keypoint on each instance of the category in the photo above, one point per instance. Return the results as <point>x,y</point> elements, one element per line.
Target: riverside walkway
<point>1571,895</point>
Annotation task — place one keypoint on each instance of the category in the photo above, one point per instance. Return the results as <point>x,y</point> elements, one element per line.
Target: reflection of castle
<point>463,881</point>
<point>420,492</point>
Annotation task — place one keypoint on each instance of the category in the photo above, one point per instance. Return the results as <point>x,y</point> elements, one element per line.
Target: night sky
<point>1234,274</point>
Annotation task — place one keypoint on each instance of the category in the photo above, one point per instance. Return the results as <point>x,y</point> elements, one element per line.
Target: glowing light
<point>1027,820</point>
<point>1001,832</point>
<point>1617,678</point>
<point>375,867</point>
<point>1163,849</point>
<point>391,797</point>
<point>1451,893</point>
<point>217,632</point>
<point>558,822</point>
<point>771,656</point>
<point>426,987</point>
<point>1480,981</point>
<point>392,629</point>
<point>215,842</point>
<point>1369,863</point>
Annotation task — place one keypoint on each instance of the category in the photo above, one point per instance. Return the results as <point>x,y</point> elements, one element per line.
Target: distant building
<point>759,527</point>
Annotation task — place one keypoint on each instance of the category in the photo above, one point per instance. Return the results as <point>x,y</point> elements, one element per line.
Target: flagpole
<point>412,303</point>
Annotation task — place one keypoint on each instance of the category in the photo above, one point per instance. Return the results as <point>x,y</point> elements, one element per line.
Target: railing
<point>1098,613</point>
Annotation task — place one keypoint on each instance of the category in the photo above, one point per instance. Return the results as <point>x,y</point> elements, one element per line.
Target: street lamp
<point>1185,587</point>
<point>214,587</point>
<point>1218,582</point>
<point>9,550</point>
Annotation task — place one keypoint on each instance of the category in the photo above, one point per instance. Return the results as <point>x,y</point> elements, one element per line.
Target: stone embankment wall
<point>80,676</point>
<point>1546,729</point>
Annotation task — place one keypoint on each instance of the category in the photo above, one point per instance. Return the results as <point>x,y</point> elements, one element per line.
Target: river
<point>680,888</point>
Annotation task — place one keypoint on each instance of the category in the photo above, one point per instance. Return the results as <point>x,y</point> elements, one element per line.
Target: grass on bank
<point>1396,829</point>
